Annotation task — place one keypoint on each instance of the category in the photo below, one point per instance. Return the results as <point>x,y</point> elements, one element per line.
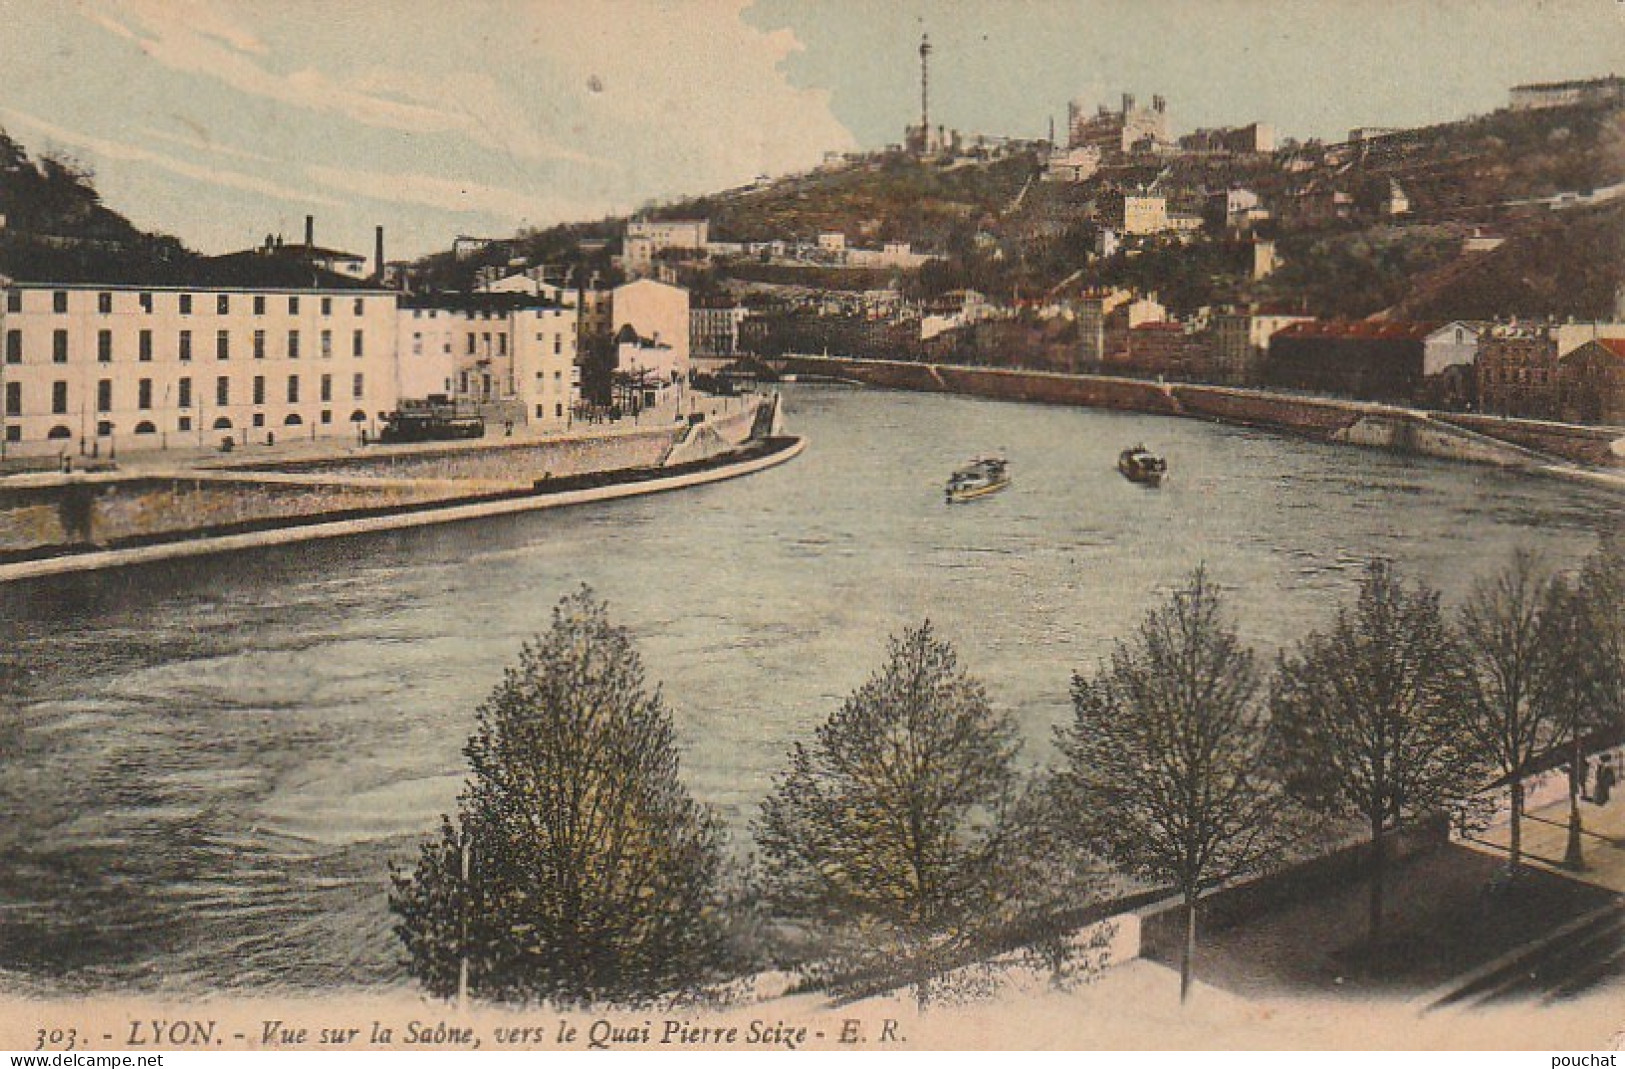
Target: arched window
<point>292,420</point>
<point>59,431</point>
<point>222,424</point>
<point>358,416</point>
<point>145,427</point>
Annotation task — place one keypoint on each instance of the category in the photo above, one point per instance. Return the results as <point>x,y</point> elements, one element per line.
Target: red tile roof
<point>1375,330</point>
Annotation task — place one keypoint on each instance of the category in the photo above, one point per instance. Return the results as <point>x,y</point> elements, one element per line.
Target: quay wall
<point>86,511</point>
<point>1477,439</point>
<point>43,515</point>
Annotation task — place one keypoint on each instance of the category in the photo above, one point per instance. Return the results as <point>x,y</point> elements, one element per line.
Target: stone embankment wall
<point>42,515</point>
<point>87,511</point>
<point>1602,447</point>
<point>497,461</point>
<point>1478,439</point>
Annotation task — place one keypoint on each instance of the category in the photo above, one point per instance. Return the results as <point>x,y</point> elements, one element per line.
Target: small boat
<point>1140,465</point>
<point>982,476</point>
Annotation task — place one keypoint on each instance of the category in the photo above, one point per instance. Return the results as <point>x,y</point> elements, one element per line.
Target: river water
<point>207,767</point>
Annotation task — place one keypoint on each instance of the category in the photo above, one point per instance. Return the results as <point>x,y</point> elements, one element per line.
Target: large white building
<point>492,349</point>
<point>644,238</point>
<point>258,348</point>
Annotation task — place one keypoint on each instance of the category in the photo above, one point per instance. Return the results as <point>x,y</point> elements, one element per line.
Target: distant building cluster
<point>1116,133</point>
<point>1609,90</point>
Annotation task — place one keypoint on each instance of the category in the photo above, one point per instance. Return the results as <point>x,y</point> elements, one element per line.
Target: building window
<point>14,300</point>
<point>59,347</point>
<point>104,304</point>
<point>259,304</point>
<point>259,419</point>
<point>327,345</point>
<point>360,309</point>
<point>184,393</point>
<point>356,344</point>
<point>327,415</point>
<point>327,388</point>
<point>259,389</point>
<point>558,344</point>
<point>14,346</point>
<point>104,346</point>
<point>293,389</point>
<point>558,411</point>
<point>59,398</point>
<point>14,398</point>
<point>293,345</point>
<point>417,343</point>
<point>293,306</point>
<point>360,386</point>
<point>143,394</point>
<point>222,391</point>
<point>104,395</point>
<point>144,346</point>
<point>14,434</point>
<point>146,302</point>
<point>471,343</point>
<point>59,301</point>
<point>186,345</point>
<point>222,304</point>
<point>186,304</point>
<point>327,306</point>
<point>502,345</point>
<point>259,345</point>
<point>184,423</point>
<point>222,345</point>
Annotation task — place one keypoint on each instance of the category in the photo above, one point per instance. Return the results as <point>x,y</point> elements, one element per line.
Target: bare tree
<point>889,819</point>
<point>1516,673</point>
<point>1164,768</point>
<point>1368,718</point>
<point>1584,624</point>
<point>578,868</point>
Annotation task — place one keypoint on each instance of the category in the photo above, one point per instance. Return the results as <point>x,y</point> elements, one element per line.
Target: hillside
<point>57,227</point>
<point>1561,264</point>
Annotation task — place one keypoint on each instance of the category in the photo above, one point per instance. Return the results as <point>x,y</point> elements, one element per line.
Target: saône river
<point>207,767</point>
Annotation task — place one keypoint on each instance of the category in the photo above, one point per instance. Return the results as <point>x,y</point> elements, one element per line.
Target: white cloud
<point>445,194</point>
<point>107,149</point>
<point>199,37</point>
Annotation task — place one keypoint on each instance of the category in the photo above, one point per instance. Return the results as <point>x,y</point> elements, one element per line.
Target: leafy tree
<point>1511,628</point>
<point>1163,766</point>
<point>578,868</point>
<point>890,817</point>
<point>1368,718</point>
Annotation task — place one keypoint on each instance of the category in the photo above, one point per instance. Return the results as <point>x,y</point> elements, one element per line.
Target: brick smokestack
<point>378,253</point>
<point>310,231</point>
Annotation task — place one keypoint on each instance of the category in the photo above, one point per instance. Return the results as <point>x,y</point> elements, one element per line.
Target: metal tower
<point>925,88</point>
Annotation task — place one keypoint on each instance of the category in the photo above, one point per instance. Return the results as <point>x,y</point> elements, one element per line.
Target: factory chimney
<point>310,232</point>
<point>378,254</point>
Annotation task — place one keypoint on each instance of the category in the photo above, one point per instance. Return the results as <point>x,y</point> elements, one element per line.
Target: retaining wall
<point>52,514</point>
<point>1484,440</point>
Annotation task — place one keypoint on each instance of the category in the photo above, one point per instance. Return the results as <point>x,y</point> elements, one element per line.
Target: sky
<point>221,121</point>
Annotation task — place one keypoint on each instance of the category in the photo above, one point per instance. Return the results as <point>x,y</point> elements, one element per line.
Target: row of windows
<point>104,428</point>
<point>184,303</point>
<point>183,345</point>
<point>183,393</point>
